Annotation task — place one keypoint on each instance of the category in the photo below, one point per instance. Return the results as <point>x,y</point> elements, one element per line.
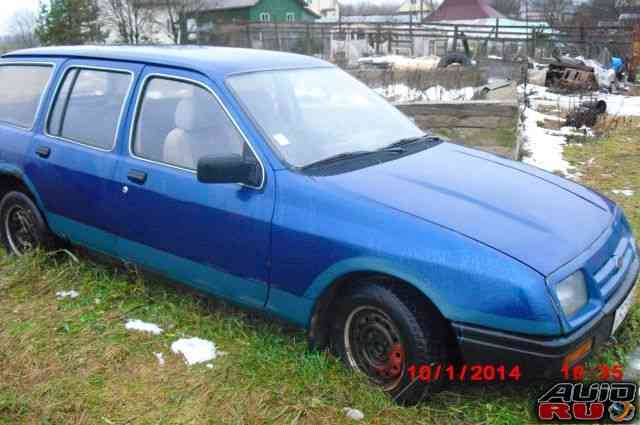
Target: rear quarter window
<point>88,106</point>
<point>21,89</point>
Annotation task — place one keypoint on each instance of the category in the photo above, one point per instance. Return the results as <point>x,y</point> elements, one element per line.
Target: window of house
<point>179,122</point>
<point>291,17</point>
<point>21,88</point>
<point>88,106</point>
<point>265,17</point>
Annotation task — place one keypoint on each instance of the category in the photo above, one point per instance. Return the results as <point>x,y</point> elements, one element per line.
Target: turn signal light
<point>579,353</point>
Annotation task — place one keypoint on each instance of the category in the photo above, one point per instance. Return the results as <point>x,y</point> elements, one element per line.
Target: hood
<point>533,216</point>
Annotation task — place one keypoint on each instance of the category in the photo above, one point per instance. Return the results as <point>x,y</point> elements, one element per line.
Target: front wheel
<point>383,332</point>
<point>22,227</point>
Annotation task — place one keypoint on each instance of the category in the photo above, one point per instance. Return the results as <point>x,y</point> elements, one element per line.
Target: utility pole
<point>526,68</point>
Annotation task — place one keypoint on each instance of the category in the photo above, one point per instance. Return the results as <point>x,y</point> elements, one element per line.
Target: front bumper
<point>540,357</point>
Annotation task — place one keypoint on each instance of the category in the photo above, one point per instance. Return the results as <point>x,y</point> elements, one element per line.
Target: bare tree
<point>22,27</point>
<point>367,8</point>
<point>510,8</point>
<point>133,19</point>
<point>553,10</point>
<point>179,12</point>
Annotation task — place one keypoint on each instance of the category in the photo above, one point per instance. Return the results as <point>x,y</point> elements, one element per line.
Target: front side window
<point>179,122</point>
<point>88,106</point>
<point>21,88</point>
<point>313,114</point>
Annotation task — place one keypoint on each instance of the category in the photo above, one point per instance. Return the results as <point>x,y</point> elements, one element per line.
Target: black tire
<point>454,57</point>
<point>421,332</point>
<point>22,226</point>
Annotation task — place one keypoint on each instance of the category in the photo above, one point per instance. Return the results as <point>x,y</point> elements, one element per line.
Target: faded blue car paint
<point>485,245</point>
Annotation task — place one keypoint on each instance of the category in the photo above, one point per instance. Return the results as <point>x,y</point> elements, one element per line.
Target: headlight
<point>572,293</point>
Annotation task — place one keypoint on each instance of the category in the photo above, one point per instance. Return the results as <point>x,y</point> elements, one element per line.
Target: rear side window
<point>21,88</point>
<point>179,122</point>
<point>88,106</point>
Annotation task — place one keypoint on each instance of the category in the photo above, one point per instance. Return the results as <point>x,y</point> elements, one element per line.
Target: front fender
<point>515,299</point>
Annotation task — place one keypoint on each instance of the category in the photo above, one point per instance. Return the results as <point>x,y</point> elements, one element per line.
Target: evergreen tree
<point>69,22</point>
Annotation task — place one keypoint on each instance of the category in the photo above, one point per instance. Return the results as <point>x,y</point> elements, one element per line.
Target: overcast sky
<point>9,7</point>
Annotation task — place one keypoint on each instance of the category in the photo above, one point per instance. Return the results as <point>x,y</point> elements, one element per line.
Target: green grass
<point>72,361</point>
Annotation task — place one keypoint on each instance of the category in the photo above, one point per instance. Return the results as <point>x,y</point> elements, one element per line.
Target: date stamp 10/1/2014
<point>512,373</point>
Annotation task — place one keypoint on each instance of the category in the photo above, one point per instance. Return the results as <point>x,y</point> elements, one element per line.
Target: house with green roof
<point>265,11</point>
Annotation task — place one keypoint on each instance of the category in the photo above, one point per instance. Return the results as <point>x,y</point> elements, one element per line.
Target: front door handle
<point>137,176</point>
<point>43,152</point>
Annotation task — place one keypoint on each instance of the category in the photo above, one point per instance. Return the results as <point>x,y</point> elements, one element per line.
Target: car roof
<point>214,61</point>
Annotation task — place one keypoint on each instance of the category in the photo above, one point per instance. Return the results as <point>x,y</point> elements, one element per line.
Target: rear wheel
<point>382,331</point>
<point>22,227</point>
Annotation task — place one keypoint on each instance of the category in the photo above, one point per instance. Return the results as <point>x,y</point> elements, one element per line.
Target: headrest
<point>195,113</point>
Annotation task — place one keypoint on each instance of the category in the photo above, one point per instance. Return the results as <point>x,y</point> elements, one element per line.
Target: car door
<point>73,158</point>
<point>212,236</point>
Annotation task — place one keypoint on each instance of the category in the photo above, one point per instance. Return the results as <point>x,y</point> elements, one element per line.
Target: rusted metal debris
<point>635,53</point>
<point>587,113</point>
<point>571,77</point>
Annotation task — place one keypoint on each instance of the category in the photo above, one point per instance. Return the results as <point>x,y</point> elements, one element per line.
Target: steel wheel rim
<point>19,226</point>
<point>374,346</point>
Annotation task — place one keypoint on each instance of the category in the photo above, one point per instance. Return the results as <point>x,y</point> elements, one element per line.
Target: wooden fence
<point>407,38</point>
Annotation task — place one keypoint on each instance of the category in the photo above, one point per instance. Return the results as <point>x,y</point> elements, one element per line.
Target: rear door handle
<point>43,152</point>
<point>137,176</point>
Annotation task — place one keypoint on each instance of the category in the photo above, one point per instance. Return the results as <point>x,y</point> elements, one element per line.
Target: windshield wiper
<point>425,138</point>
<point>337,158</point>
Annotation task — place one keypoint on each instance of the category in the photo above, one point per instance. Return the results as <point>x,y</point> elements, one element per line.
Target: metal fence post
<point>308,44</point>
<point>249,43</point>
<point>277,35</point>
<point>455,38</point>
<point>323,42</point>
<point>534,36</point>
<point>378,38</point>
<point>411,33</point>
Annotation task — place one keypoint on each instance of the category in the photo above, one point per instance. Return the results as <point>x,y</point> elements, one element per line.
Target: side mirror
<point>228,169</point>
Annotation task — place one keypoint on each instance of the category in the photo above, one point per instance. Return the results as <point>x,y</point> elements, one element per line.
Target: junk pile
<point>574,75</point>
<point>586,114</point>
<point>571,76</point>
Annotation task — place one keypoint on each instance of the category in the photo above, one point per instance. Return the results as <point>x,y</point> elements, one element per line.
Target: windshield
<point>313,114</point>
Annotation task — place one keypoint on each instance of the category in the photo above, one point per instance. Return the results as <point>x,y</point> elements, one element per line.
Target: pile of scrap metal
<point>587,113</point>
<point>571,75</point>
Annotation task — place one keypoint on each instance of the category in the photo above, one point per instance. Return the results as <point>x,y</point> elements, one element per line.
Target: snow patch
<point>67,294</point>
<point>354,414</point>
<point>160,358</point>
<point>195,350</point>
<point>545,147</point>
<point>139,325</point>
<point>623,192</point>
<point>404,62</point>
<point>400,92</point>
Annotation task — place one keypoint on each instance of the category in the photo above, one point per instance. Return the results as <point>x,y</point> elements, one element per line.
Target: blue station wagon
<point>279,182</point>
